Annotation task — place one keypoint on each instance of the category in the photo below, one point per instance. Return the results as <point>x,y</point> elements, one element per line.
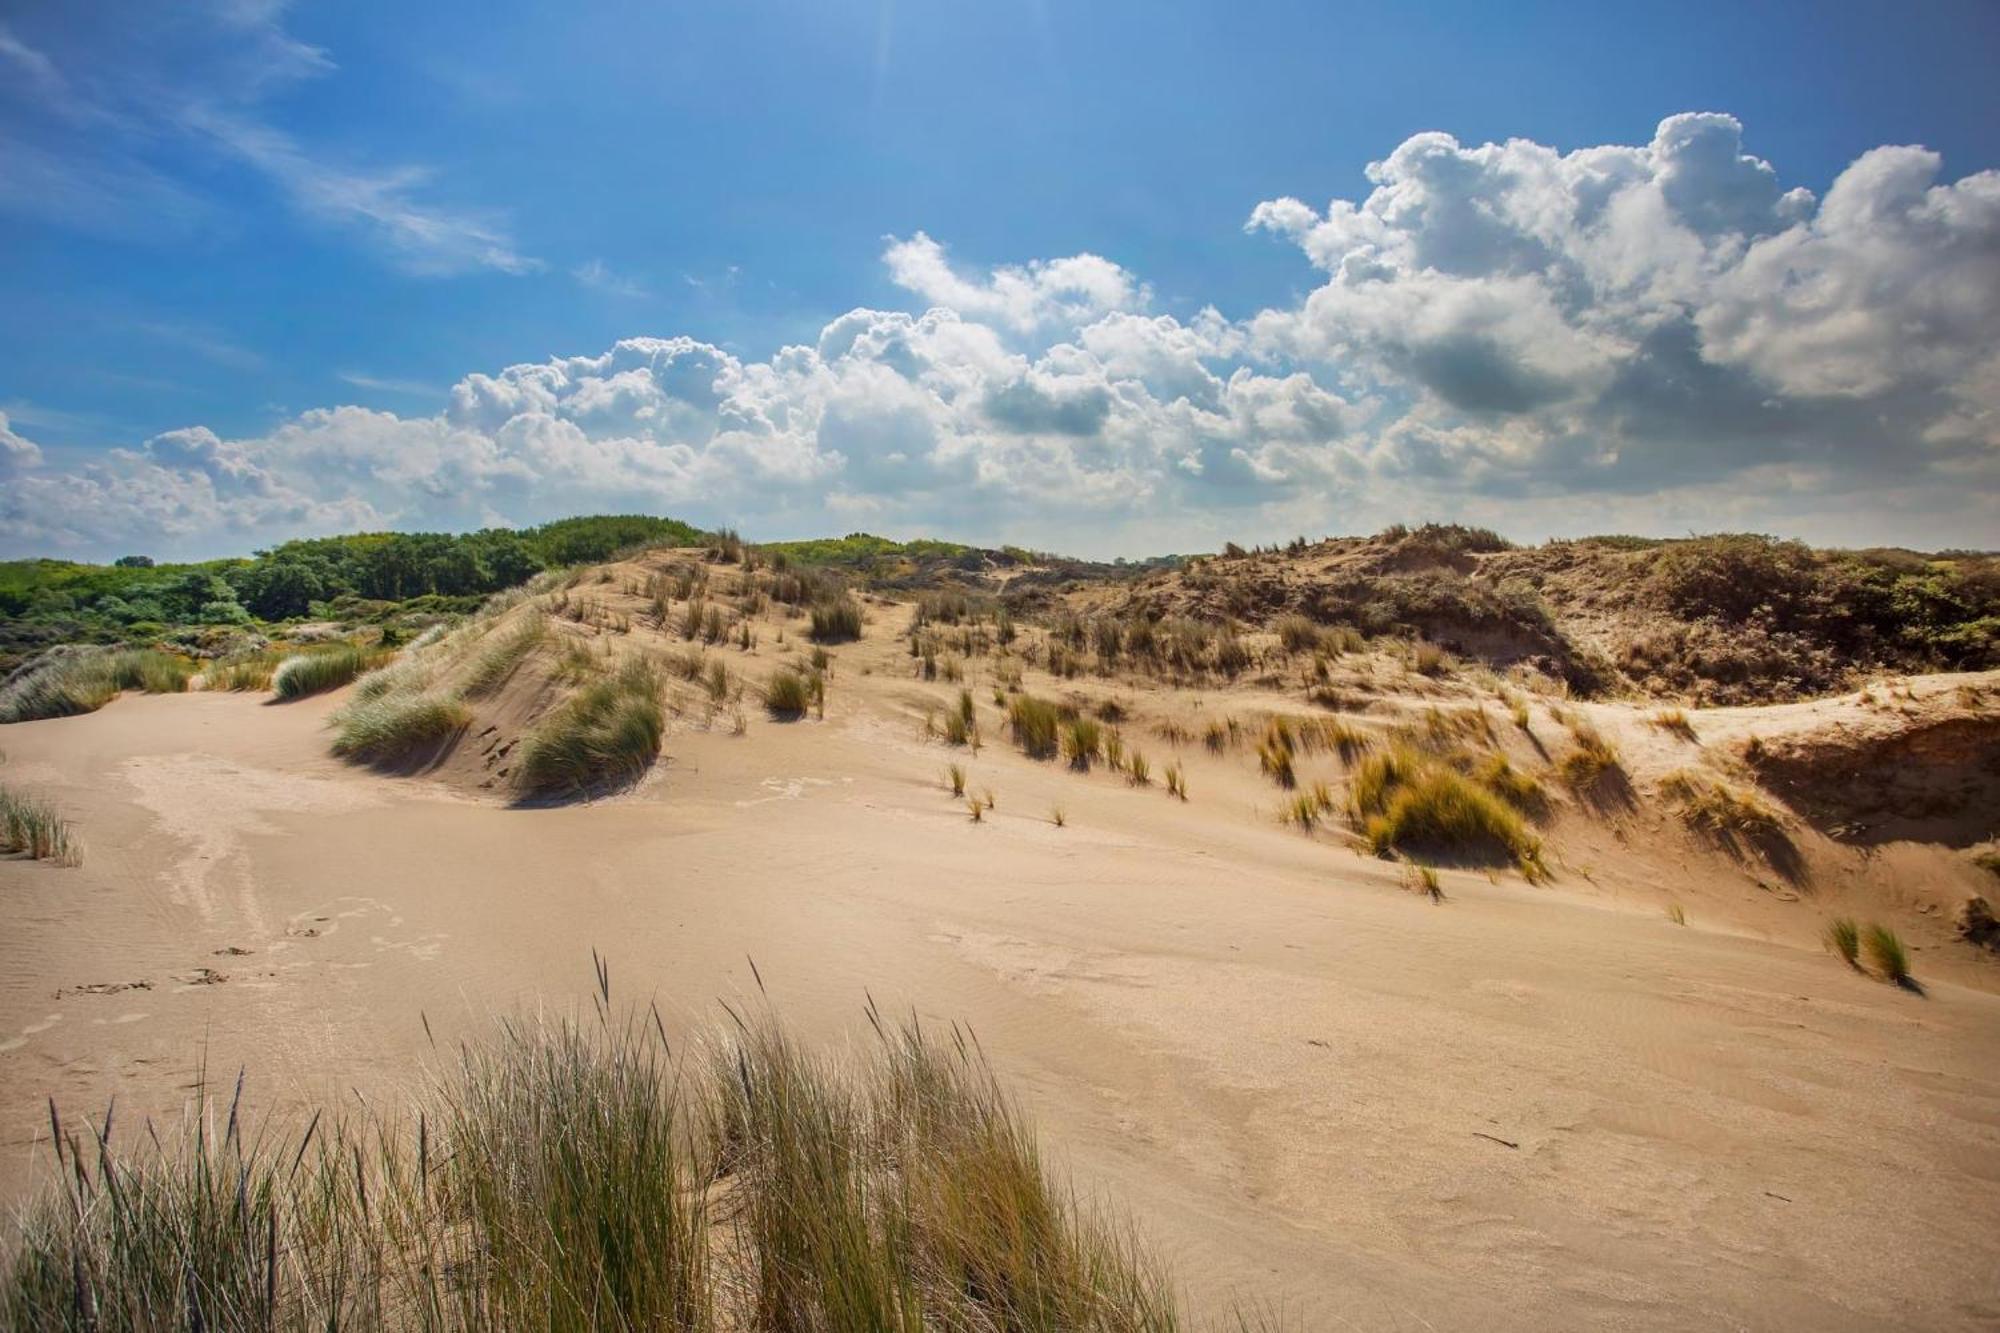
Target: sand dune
<point>1526,1107</point>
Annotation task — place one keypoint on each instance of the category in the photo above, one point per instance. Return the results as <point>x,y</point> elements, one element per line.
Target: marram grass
<point>318,670</point>
<point>581,1174</point>
<point>608,732</point>
<point>31,826</point>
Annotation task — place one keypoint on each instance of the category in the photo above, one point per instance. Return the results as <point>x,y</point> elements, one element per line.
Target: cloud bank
<point>1654,337</point>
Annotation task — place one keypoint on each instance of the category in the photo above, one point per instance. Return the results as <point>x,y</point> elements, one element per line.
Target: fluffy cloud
<point>1660,336</point>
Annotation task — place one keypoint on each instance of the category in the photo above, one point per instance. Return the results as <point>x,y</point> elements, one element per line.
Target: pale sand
<point>1294,1073</point>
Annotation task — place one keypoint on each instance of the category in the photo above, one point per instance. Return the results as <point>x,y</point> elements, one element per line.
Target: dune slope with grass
<point>1361,1073</point>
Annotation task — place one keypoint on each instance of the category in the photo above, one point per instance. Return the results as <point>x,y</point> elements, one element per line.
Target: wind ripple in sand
<point>210,805</point>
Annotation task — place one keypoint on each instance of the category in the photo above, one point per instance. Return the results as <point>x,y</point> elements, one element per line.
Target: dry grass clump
<point>68,681</point>
<point>837,621</point>
<point>609,732</point>
<point>1176,779</point>
<point>1082,738</point>
<point>1405,800</point>
<point>1036,724</point>
<point>1719,809</point>
<point>1593,759</point>
<point>787,694</point>
<point>1274,753</point>
<point>320,669</point>
<point>1674,722</point>
<point>32,826</point>
<point>580,1175</point>
<point>954,778</point>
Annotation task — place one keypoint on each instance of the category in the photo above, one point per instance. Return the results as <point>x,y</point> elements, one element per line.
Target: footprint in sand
<point>15,1043</point>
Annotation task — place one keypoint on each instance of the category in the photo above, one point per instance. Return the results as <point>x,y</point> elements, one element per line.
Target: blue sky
<point>236,215</point>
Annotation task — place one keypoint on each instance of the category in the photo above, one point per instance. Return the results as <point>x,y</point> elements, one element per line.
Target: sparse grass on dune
<point>1674,722</point>
<point>579,1175</point>
<point>321,669</point>
<point>1719,809</point>
<point>1843,936</point>
<point>33,826</point>
<point>500,654</point>
<point>69,681</point>
<point>1592,760</point>
<point>608,732</point>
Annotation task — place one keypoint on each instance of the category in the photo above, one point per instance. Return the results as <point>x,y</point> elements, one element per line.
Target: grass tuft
<point>836,621</point>
<point>609,732</point>
<point>1405,800</point>
<point>1036,724</point>
<point>397,725</point>
<point>787,695</point>
<point>1843,936</point>
<point>323,669</point>
<point>1887,951</point>
<point>32,826</point>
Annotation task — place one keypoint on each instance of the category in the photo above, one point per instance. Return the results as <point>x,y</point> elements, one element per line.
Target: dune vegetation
<point>31,826</point>
<point>608,733</point>
<point>319,669</point>
<point>582,1174</point>
<point>82,680</point>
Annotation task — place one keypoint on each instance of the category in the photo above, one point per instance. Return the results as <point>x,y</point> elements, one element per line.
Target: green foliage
<point>1843,936</point>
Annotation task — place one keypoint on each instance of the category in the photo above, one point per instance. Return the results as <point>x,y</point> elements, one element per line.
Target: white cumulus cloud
<point>1662,335</point>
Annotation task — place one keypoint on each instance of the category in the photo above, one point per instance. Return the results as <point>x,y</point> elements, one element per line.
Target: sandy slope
<point>1525,1108</point>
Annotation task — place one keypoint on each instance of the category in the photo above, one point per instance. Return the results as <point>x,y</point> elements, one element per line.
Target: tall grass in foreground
<point>608,732</point>
<point>68,681</point>
<point>394,726</point>
<point>31,825</point>
<point>318,670</point>
<point>579,1175</point>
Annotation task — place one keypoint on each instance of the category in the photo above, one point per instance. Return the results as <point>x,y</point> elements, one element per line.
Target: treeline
<point>292,579</point>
